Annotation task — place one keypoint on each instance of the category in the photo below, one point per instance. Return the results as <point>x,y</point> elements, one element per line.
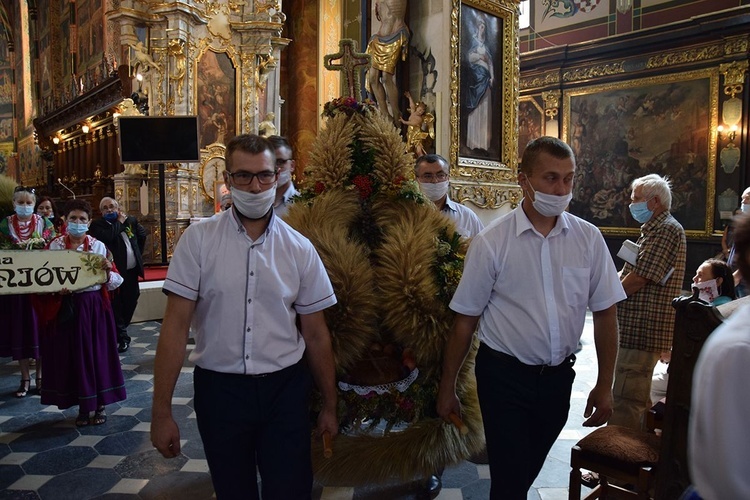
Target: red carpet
<point>155,273</point>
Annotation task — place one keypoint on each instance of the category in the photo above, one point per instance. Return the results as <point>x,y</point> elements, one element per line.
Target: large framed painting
<point>216,98</point>
<point>484,90</point>
<point>625,130</point>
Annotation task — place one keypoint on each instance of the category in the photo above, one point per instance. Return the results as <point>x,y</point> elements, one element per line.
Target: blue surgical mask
<point>746,208</point>
<point>640,211</point>
<point>77,228</point>
<point>111,216</point>
<point>24,210</point>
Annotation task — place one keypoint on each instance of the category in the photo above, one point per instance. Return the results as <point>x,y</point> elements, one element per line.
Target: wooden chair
<point>642,459</point>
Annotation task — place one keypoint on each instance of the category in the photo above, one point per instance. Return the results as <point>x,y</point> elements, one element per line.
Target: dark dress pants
<point>124,302</point>
<point>247,421</point>
<point>524,408</point>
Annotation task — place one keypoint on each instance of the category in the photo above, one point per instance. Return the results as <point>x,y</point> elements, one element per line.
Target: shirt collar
<point>449,205</point>
<point>241,229</point>
<point>655,221</point>
<point>523,223</point>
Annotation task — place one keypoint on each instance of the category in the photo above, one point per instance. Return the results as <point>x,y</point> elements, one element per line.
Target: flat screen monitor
<point>158,139</point>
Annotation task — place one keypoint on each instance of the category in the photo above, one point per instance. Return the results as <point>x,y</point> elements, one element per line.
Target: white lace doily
<point>400,385</point>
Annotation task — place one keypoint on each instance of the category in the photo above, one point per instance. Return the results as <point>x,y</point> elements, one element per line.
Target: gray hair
<point>101,203</point>
<point>432,158</point>
<point>655,185</point>
<point>23,191</point>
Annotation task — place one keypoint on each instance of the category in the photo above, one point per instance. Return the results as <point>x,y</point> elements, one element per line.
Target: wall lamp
<point>85,128</point>
<point>729,134</point>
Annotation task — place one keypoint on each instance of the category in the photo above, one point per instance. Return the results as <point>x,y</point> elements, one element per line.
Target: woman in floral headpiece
<point>20,333</point>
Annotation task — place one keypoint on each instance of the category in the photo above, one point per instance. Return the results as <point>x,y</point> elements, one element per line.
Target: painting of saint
<point>481,69</point>
<point>216,101</point>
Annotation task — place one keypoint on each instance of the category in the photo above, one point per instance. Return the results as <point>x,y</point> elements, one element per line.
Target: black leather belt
<point>509,360</point>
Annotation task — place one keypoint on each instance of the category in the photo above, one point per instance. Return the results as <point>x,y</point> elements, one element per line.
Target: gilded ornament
<point>687,56</point>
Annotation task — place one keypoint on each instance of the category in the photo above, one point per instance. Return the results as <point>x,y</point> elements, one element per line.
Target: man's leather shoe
<point>123,346</point>
<point>433,486</point>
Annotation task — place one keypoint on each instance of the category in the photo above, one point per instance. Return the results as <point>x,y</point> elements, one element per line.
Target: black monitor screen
<point>158,139</point>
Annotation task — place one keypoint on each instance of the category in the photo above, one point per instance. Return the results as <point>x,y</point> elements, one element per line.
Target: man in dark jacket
<point>125,238</point>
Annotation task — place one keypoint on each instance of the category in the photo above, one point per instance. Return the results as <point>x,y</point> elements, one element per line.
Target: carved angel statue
<point>266,65</point>
<point>143,58</point>
<point>420,126</point>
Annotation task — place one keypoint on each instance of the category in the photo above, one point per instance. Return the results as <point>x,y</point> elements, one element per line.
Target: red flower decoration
<point>319,187</point>
<point>364,186</point>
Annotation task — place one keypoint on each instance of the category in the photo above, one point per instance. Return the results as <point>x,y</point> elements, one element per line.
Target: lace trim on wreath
<point>400,386</point>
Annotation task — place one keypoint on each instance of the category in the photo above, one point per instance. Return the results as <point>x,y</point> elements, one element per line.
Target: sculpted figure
<point>143,57</point>
<point>385,47</point>
<point>420,126</point>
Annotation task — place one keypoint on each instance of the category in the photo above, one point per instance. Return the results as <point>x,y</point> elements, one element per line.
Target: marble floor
<point>43,455</point>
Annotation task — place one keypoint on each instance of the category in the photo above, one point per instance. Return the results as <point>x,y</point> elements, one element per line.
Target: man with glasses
<point>254,291</point>
<point>285,189</point>
<point>126,239</point>
<point>432,173</point>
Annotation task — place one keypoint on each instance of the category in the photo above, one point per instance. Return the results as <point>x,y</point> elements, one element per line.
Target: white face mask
<point>708,290</point>
<point>434,190</point>
<point>746,208</point>
<point>285,176</point>
<point>549,205</point>
<point>253,205</point>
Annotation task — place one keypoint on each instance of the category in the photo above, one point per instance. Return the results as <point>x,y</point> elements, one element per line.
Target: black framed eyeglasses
<point>439,177</point>
<point>245,178</point>
<point>24,189</point>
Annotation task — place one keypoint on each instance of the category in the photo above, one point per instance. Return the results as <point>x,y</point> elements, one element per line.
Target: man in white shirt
<point>527,281</point>
<point>433,174</point>
<point>285,164</point>
<point>254,290</point>
<point>718,441</point>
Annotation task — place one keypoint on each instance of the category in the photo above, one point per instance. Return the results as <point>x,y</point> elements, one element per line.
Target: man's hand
<point>600,398</point>
<point>165,436</point>
<point>447,403</point>
<point>327,422</point>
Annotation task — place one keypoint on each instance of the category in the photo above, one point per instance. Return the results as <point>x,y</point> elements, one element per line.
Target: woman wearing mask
<point>19,337</point>
<point>81,353</point>
<point>714,280</point>
<point>46,208</point>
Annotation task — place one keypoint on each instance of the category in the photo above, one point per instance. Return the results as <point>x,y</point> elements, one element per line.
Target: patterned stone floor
<point>43,455</point>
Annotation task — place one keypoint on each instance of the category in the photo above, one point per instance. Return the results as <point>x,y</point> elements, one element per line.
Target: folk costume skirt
<point>81,364</point>
<point>19,335</point>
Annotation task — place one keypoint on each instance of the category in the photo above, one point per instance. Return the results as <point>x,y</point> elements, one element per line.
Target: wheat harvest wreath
<point>394,262</point>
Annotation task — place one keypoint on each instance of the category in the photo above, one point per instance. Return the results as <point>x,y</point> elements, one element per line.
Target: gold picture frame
<point>210,171</point>
<point>662,124</point>
<point>484,92</point>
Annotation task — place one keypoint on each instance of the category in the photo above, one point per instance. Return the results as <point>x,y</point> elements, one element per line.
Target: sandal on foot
<point>82,420</point>
<point>590,479</point>
<point>99,417</point>
<point>23,389</point>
